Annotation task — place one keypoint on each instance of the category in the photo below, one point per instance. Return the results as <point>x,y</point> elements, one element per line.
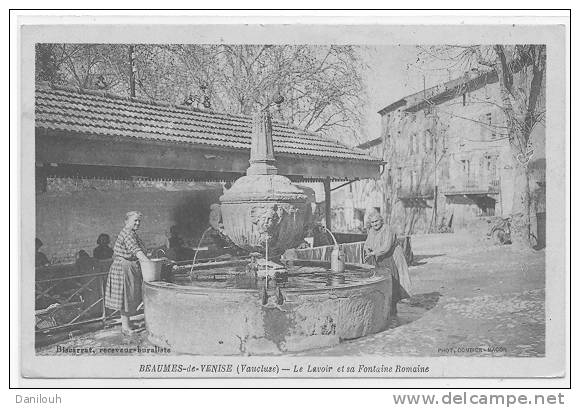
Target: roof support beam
<point>327,204</point>
<point>99,150</point>
<point>344,184</point>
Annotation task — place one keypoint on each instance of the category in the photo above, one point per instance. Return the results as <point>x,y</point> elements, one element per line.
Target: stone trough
<point>192,317</point>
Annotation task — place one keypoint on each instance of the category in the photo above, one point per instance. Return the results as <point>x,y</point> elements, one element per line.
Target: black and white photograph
<point>273,201</point>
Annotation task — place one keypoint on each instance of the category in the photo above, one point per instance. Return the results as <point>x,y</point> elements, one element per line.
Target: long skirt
<point>403,273</point>
<point>396,266</point>
<point>124,282</point>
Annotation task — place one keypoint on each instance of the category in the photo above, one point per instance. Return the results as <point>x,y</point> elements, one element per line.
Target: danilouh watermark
<point>38,399</point>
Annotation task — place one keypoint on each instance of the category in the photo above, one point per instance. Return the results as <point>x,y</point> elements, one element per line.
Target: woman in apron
<point>382,250</point>
<point>124,282</point>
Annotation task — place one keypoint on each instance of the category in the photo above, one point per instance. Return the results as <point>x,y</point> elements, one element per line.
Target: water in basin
<point>296,277</point>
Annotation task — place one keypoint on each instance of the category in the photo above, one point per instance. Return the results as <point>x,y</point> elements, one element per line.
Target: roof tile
<point>99,113</point>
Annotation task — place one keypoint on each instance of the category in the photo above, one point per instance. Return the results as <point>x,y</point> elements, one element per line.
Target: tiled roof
<point>103,114</point>
<point>370,143</point>
<point>445,91</point>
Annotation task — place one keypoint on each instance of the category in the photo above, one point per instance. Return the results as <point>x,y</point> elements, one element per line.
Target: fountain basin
<point>218,320</point>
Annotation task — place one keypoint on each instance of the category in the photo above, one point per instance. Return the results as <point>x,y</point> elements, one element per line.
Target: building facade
<point>449,160</point>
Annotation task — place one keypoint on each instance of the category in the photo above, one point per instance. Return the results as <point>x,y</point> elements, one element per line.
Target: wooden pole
<point>327,204</point>
<point>41,178</point>
<point>132,70</point>
<point>436,192</point>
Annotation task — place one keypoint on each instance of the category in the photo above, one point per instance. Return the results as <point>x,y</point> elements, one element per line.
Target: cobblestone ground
<point>502,325</point>
<point>470,299</point>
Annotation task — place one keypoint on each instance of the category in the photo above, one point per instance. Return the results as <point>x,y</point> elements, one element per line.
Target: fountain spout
<point>337,256</point>
<point>197,250</point>
<point>329,232</point>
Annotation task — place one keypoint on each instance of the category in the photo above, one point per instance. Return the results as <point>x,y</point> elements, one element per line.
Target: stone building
<point>449,161</point>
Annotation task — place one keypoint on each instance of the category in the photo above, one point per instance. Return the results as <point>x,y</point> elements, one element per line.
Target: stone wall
<point>73,212</point>
<point>457,146</point>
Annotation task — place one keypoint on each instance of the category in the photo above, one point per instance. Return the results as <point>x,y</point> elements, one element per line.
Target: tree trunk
<point>521,207</point>
<point>519,130</point>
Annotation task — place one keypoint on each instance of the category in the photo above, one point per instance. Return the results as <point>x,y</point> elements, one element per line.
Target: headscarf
<point>375,215</point>
<point>104,239</point>
<point>133,214</point>
<point>130,217</point>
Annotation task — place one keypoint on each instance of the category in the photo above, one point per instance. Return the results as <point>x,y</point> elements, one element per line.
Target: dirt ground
<point>470,298</point>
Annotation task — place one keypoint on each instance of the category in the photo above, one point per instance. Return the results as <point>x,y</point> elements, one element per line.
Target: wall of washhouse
<point>71,213</point>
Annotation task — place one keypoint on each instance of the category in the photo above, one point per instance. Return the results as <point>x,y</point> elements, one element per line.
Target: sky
<point>393,73</point>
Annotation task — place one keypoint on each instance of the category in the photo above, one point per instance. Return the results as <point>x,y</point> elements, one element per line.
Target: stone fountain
<point>263,210</point>
<point>229,308</point>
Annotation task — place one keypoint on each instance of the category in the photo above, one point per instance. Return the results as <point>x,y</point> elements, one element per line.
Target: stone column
<point>262,160</point>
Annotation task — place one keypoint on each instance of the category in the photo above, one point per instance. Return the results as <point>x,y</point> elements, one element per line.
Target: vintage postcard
<point>293,199</point>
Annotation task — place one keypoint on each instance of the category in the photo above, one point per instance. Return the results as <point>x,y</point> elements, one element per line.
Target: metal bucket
<point>151,269</point>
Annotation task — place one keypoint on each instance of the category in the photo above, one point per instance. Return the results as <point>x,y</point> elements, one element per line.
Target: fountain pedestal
<point>263,210</point>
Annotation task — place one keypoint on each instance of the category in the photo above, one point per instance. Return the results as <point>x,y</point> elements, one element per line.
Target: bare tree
<point>319,88</point>
<point>48,62</point>
<point>521,74</point>
<point>86,66</point>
